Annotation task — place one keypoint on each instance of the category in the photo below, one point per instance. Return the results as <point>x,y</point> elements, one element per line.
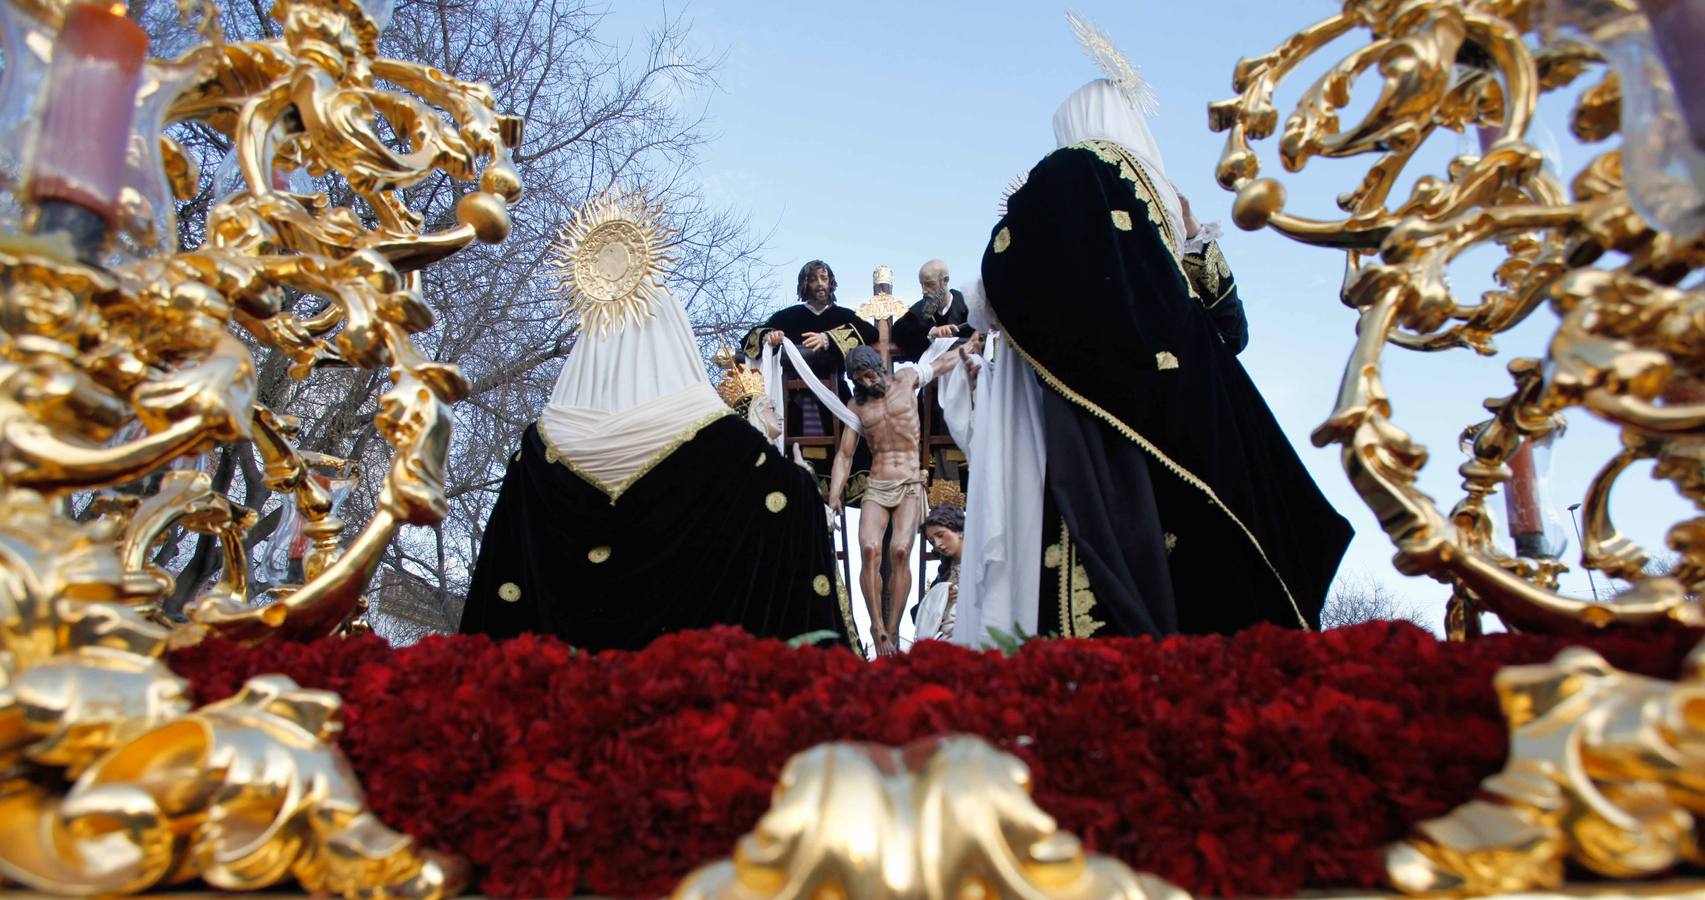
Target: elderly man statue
<point>941,313</point>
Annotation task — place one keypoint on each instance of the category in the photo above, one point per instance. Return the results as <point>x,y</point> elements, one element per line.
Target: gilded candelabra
<point>1627,345</point>
<point>112,372</point>
<point>1604,765</point>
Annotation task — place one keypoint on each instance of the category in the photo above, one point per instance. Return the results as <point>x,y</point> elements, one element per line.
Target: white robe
<point>1001,570</point>
<point>931,610</point>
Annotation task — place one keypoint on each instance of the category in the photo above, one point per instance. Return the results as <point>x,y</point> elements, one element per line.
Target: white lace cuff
<point>1205,235</point>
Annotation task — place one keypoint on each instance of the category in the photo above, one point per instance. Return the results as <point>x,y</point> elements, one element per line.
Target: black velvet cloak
<point>1173,500</point>
<point>721,531</point>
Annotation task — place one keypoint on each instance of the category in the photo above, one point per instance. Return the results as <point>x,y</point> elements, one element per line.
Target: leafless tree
<point>1364,598</point>
<point>597,113</point>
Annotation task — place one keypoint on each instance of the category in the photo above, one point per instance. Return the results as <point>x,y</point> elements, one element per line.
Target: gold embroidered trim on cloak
<point>1165,359</point>
<point>1121,220</point>
<point>598,555</point>
<point>753,346</point>
<point>1185,474</point>
<point>509,591</point>
<point>1210,272</point>
<point>1077,597</point>
<point>820,585</point>
<point>1132,171</point>
<point>846,338</point>
<point>844,599</point>
<point>1054,558</point>
<point>775,502</point>
<point>1171,542</point>
<point>1003,240</point>
<point>615,492</point>
<point>762,458</point>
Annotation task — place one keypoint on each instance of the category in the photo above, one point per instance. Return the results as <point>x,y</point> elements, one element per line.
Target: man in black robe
<point>941,313</point>
<point>1171,500</point>
<point>825,332</point>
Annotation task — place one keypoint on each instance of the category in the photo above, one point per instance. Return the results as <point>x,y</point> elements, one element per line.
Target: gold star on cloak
<point>610,259</point>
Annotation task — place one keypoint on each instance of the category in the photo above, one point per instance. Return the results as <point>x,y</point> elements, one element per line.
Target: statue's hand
<point>816,340</point>
<point>1191,226</point>
<point>774,338</point>
<point>941,331</point>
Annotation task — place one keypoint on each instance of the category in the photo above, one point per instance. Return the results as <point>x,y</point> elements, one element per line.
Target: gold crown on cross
<point>882,305</point>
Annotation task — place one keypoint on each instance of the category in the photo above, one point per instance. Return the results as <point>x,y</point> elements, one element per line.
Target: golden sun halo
<point>609,259</point>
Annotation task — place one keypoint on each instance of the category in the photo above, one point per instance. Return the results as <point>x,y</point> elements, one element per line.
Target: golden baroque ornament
<point>255,784</point>
<point>108,376</point>
<point>241,794</point>
<point>1626,344</point>
<point>947,818</point>
<point>1603,771</point>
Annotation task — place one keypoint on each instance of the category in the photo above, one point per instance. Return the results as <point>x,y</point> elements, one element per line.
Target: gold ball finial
<point>488,215</point>
<point>1257,203</point>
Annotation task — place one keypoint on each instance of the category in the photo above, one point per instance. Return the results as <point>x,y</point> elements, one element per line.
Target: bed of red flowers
<point>1261,764</point>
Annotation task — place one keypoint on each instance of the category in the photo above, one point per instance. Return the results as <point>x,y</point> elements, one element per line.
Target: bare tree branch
<point>598,112</point>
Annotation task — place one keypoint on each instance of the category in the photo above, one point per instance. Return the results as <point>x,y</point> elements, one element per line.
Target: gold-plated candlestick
<point>110,375</point>
<point>1626,343</point>
<point>1602,763</point>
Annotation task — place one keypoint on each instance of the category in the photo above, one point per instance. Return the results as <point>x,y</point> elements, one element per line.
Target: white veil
<point>627,392</point>
<point>1100,111</point>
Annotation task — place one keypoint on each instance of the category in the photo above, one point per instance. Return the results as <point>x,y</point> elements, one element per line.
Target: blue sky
<point>883,133</point>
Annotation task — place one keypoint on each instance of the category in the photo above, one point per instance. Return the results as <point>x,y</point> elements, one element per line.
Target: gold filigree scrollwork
<point>241,794</point>
<point>112,376</point>
<point>1627,345</point>
<point>940,819</point>
<point>150,343</point>
<point>1603,772</point>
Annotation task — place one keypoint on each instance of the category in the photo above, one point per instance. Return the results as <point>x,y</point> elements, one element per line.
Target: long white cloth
<point>953,392</point>
<point>625,394</point>
<point>1001,570</point>
<point>769,365</point>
